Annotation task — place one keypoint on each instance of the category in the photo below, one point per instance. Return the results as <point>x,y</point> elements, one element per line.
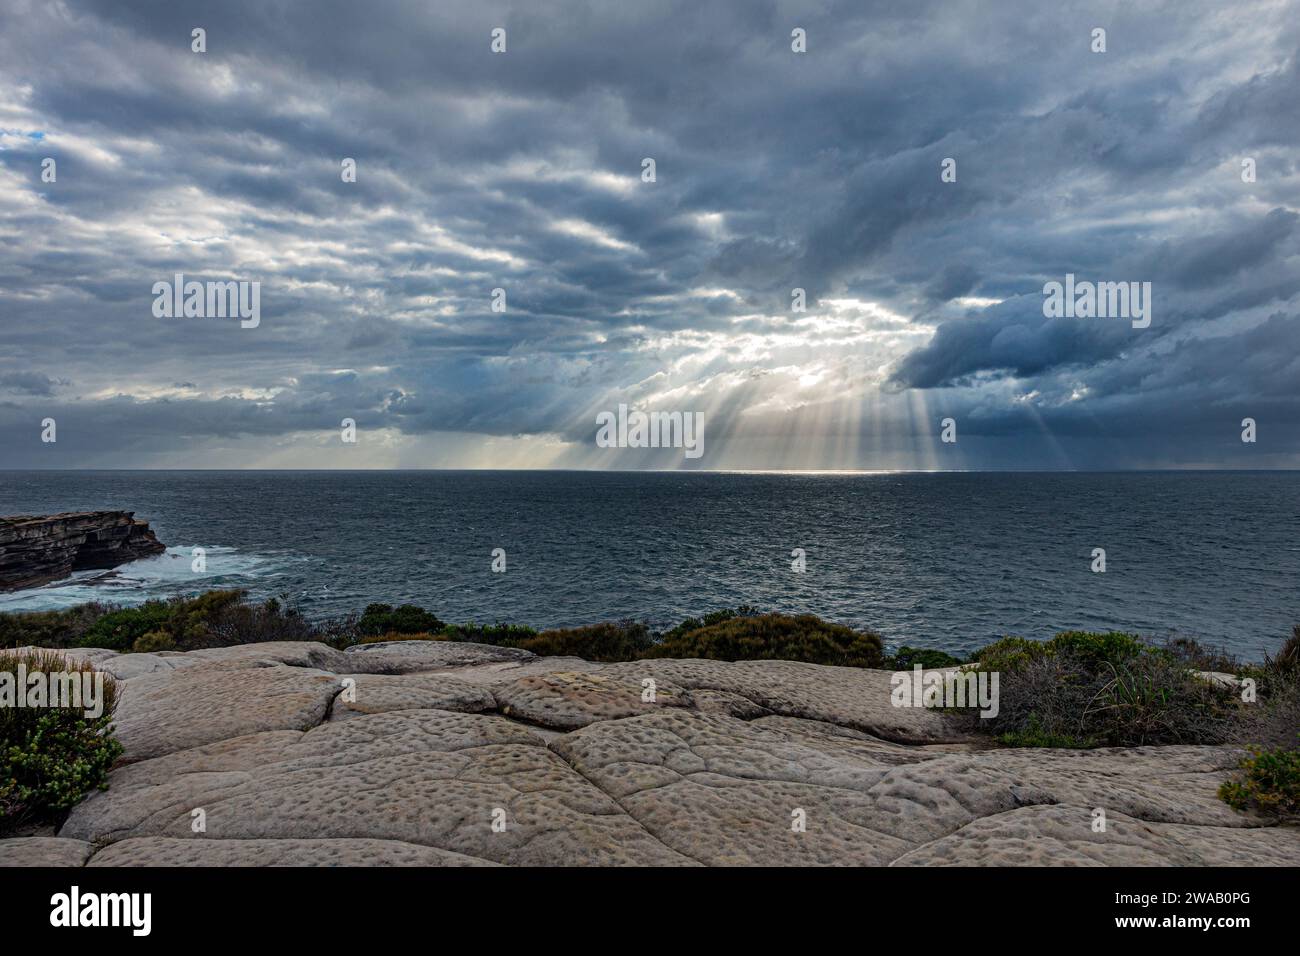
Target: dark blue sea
<point>940,560</point>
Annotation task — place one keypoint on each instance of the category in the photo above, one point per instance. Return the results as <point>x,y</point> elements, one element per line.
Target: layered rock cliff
<point>38,549</point>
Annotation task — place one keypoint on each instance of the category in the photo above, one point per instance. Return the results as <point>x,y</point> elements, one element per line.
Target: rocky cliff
<point>38,549</point>
<point>438,753</point>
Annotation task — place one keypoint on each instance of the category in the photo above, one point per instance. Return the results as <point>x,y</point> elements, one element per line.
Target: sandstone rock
<point>710,701</point>
<point>294,653</point>
<point>120,666</point>
<point>726,791</point>
<point>43,851</point>
<point>847,696</point>
<point>170,851</point>
<point>216,700</point>
<point>382,693</point>
<point>716,770</point>
<point>426,777</point>
<point>1063,835</point>
<point>566,700</point>
<point>38,549</point>
<point>407,657</point>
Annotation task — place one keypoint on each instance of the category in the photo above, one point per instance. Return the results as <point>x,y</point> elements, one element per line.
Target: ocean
<point>936,560</point>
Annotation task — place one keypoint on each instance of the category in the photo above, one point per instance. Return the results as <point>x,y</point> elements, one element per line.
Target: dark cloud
<point>523,171</point>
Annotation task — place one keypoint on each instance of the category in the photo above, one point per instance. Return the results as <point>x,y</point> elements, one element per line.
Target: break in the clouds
<point>774,170</point>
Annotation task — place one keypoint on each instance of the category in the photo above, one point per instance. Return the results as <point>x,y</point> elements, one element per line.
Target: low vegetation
<point>51,757</point>
<point>766,637</point>
<point>1084,689</point>
<point>1269,783</point>
<point>906,658</point>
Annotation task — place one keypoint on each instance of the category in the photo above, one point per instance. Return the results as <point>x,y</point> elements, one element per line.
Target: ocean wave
<point>161,575</point>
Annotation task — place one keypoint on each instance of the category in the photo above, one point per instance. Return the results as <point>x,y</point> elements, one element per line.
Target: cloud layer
<point>774,170</point>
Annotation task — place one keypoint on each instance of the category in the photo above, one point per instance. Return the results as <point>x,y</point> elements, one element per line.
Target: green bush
<point>49,628</point>
<point>238,622</point>
<point>1083,689</point>
<point>1200,656</point>
<point>1286,663</point>
<point>504,635</point>
<point>1034,735</point>
<point>1090,649</point>
<point>51,757</point>
<point>406,619</point>
<point>1095,649</point>
<point>608,642</point>
<point>905,658</point>
<point>211,619</point>
<point>1007,654</point>
<point>1269,783</point>
<point>708,620</point>
<point>119,630</point>
<point>152,642</point>
<point>766,637</point>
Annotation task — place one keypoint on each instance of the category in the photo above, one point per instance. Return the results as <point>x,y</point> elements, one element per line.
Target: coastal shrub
<point>236,621</point>
<point>607,642</point>
<point>804,637</point>
<point>212,619</point>
<point>405,619</point>
<point>1286,663</point>
<point>1089,648</point>
<point>714,617</point>
<point>1102,689</point>
<point>153,641</point>
<point>1151,699</point>
<point>502,635</point>
<point>1269,782</point>
<point>905,658</point>
<point>1201,657</point>
<point>119,630</point>
<point>50,757</point>
<point>1271,721</point>
<point>1033,734</point>
<point>49,628</point>
<point>1009,653</point>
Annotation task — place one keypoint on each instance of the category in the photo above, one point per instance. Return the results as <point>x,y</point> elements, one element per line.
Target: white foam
<point>159,576</point>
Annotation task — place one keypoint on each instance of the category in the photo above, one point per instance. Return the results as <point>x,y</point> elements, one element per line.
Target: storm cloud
<point>1170,158</point>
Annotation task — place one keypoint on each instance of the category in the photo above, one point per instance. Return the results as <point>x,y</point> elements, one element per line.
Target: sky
<point>774,170</point>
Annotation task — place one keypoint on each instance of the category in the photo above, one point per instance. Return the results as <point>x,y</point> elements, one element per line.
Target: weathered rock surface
<point>567,700</point>
<point>38,549</point>
<point>169,851</point>
<point>845,696</point>
<point>383,693</point>
<point>44,851</point>
<point>427,777</point>
<point>160,713</point>
<point>408,657</point>
<point>408,753</point>
<point>1064,835</point>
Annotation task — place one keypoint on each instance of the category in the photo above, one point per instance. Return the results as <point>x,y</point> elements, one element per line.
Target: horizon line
<point>688,471</point>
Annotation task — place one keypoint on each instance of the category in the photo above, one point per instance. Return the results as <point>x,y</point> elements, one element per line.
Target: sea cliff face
<point>38,549</point>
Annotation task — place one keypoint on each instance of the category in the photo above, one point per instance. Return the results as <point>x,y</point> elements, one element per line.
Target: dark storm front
<point>947,560</point>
